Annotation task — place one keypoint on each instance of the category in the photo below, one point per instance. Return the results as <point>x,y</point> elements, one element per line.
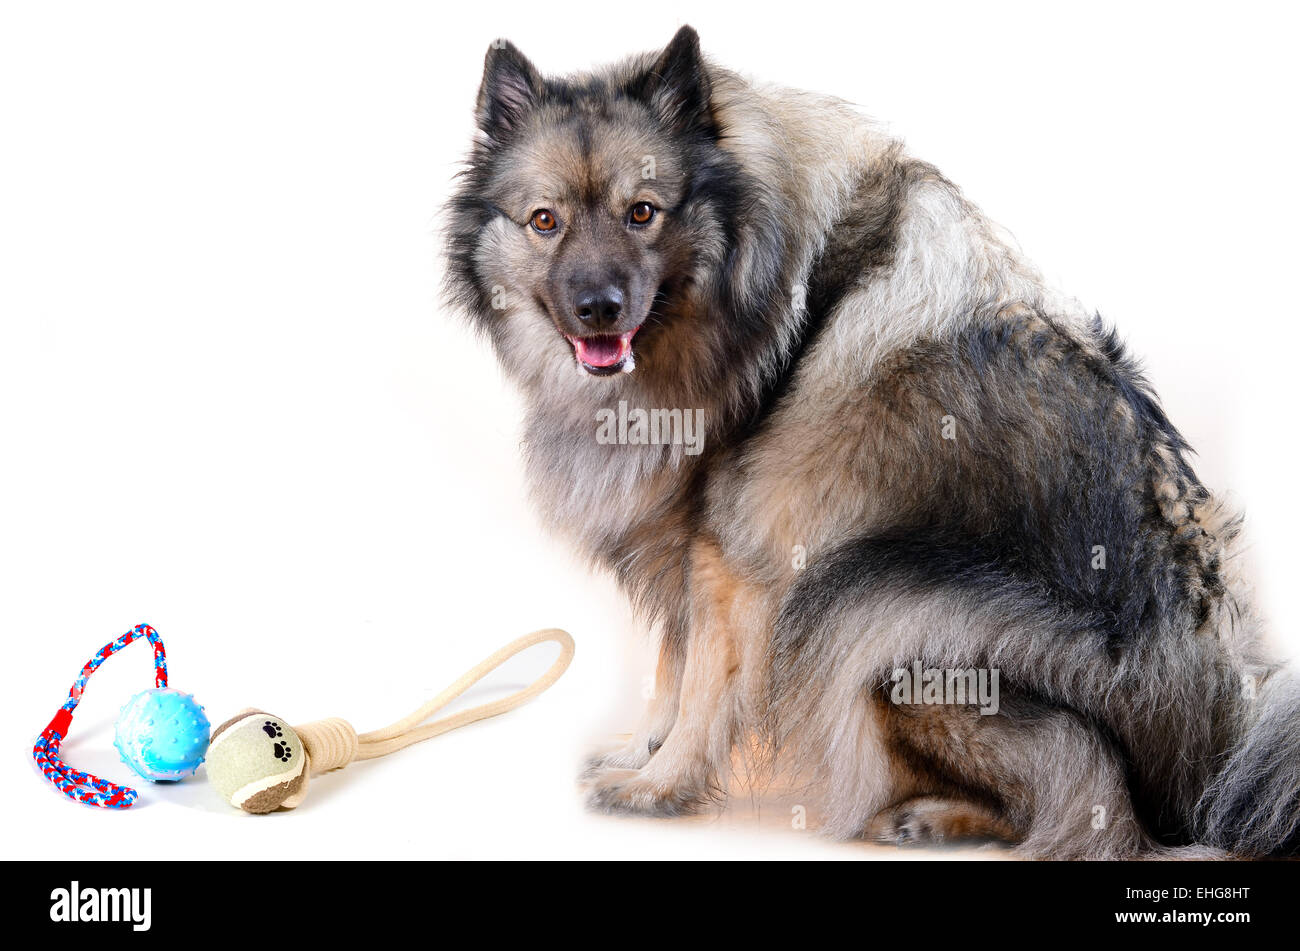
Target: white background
<point>233,405</point>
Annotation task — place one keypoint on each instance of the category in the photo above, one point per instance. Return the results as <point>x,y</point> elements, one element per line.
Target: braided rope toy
<point>161,733</point>
<point>255,760</point>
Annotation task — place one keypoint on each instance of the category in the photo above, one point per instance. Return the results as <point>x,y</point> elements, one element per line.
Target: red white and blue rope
<point>76,785</point>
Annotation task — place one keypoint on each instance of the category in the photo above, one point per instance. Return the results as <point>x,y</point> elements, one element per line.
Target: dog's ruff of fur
<point>893,393</point>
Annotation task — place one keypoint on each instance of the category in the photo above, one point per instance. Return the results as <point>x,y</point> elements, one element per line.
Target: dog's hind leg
<point>1036,775</point>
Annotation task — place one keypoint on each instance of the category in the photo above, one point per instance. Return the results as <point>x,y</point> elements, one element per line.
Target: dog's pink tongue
<point>603,351</point>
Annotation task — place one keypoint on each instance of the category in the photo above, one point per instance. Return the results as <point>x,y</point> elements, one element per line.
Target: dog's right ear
<point>511,87</point>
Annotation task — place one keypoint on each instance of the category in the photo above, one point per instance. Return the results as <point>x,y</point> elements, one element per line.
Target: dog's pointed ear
<point>511,87</point>
<point>677,85</point>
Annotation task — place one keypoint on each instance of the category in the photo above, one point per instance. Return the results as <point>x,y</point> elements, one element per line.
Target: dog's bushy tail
<point>1252,806</point>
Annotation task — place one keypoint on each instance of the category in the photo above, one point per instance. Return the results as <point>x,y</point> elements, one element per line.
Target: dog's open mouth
<point>605,354</point>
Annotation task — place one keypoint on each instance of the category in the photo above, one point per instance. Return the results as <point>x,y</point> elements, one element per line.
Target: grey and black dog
<point>914,455</point>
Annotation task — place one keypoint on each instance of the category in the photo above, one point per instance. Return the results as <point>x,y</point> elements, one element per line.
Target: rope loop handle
<point>332,743</point>
<point>75,784</point>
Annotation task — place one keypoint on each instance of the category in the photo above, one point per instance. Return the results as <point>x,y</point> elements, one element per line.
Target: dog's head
<point>592,209</point>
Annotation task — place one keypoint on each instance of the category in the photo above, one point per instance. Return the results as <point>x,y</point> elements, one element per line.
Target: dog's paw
<point>908,823</point>
<point>933,820</point>
<point>623,758</point>
<point>633,792</point>
<point>632,755</point>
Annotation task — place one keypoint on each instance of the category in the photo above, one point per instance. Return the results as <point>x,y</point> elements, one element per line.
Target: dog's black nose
<point>598,306</point>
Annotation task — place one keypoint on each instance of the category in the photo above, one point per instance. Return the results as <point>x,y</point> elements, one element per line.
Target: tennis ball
<point>162,734</point>
<point>255,761</point>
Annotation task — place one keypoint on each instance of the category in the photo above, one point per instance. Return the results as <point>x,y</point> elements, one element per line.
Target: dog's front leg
<point>659,717</point>
<point>718,671</point>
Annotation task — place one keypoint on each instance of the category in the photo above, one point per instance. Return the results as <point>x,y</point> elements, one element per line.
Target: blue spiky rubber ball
<point>162,734</point>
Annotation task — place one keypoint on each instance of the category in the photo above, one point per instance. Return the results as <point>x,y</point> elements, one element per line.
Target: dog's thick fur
<point>914,452</point>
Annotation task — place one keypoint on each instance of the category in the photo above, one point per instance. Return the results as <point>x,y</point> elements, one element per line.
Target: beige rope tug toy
<point>257,762</point>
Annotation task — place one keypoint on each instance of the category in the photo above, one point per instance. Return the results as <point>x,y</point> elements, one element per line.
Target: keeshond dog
<point>908,457</point>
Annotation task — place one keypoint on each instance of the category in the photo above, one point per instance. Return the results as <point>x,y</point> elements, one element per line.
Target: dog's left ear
<point>677,86</point>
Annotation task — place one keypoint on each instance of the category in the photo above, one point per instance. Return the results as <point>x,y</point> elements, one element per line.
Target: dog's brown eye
<point>641,213</point>
<point>543,220</point>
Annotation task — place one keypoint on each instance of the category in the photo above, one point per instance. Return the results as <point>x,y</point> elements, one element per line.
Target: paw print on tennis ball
<point>272,729</point>
<point>283,751</point>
